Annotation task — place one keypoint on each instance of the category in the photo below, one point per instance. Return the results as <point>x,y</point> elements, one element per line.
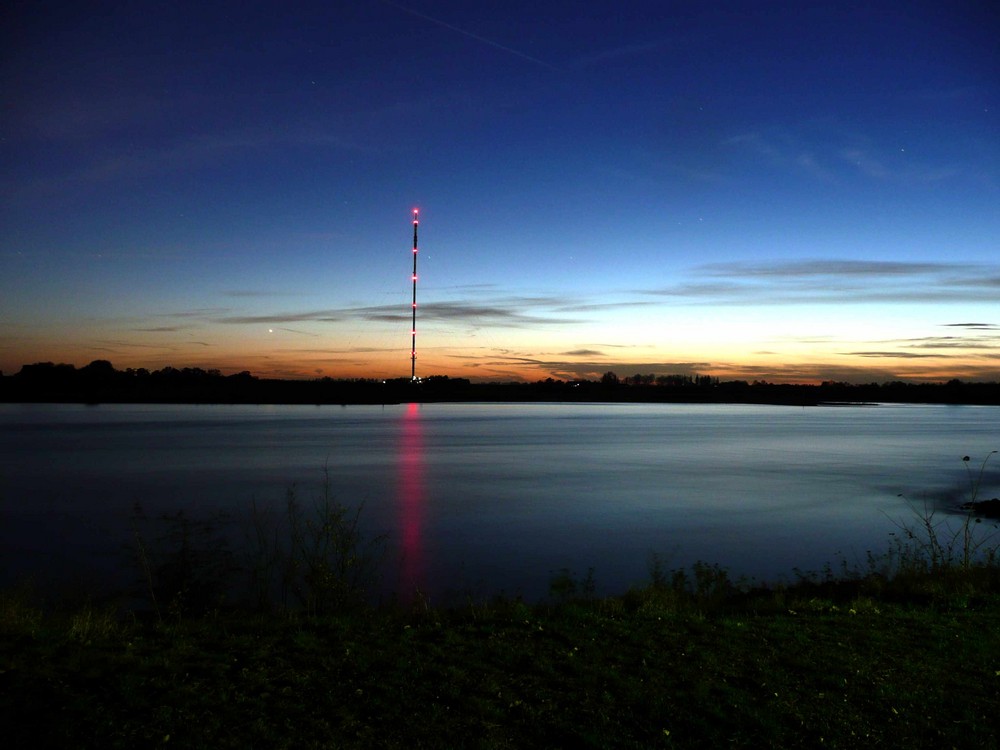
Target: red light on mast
<point>413,329</point>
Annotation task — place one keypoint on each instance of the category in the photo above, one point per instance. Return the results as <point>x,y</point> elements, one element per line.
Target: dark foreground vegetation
<point>903,652</point>
<point>100,382</point>
<point>859,664</point>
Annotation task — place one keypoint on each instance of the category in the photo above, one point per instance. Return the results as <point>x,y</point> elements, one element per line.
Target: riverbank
<point>100,383</point>
<point>909,662</point>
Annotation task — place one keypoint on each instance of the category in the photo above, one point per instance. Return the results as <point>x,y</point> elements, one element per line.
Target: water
<point>483,498</point>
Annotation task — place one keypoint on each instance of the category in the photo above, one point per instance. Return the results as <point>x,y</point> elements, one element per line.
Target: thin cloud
<point>622,51</point>
<point>811,268</point>
<point>786,150</point>
<point>581,370</point>
<point>505,311</point>
<point>781,151</point>
<point>569,370</point>
<point>467,33</point>
<point>112,345</point>
<point>604,306</point>
<point>896,355</point>
<point>834,281</point>
<point>298,332</point>
<point>325,316</point>
<point>482,314</point>
<point>255,294</point>
<point>877,168</point>
<point>955,342</point>
<point>511,312</point>
<point>200,312</point>
<point>182,155</point>
<point>866,164</point>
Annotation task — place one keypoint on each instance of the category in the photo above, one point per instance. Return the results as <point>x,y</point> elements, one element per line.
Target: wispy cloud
<point>198,312</point>
<point>118,346</point>
<point>471,35</point>
<point>591,370</point>
<point>514,312</point>
<point>865,163</point>
<point>255,294</point>
<point>913,369</point>
<point>781,151</point>
<point>963,344</point>
<point>150,160</point>
<point>978,345</point>
<point>894,355</point>
<point>895,166</point>
<point>325,316</point>
<point>955,342</point>
<point>975,326</point>
<point>298,332</point>
<point>507,364</point>
<point>622,51</point>
<point>826,267</point>
<point>604,306</point>
<point>184,154</point>
<point>834,281</point>
<point>787,150</point>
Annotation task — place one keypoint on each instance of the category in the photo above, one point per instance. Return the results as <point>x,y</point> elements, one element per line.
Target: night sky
<point>789,191</point>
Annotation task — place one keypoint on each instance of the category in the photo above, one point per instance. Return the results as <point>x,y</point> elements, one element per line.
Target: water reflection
<point>493,497</point>
<point>411,501</point>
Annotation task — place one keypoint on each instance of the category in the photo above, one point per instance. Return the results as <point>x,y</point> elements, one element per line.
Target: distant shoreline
<point>284,392</point>
<point>99,383</point>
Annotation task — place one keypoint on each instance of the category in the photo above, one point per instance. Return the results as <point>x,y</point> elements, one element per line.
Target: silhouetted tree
<point>98,371</point>
<point>674,381</point>
<point>640,379</point>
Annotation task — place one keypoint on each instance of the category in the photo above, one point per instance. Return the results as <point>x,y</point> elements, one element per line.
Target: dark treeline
<point>100,382</point>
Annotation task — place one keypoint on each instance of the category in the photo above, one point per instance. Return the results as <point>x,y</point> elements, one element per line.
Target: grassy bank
<point>904,652</point>
<point>913,662</point>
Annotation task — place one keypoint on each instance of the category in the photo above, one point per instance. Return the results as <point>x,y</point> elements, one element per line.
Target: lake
<point>483,498</point>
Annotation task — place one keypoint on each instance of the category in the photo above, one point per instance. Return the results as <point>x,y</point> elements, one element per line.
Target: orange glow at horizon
<point>508,360</point>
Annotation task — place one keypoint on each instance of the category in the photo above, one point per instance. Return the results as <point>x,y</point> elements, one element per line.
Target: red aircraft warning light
<point>413,327</point>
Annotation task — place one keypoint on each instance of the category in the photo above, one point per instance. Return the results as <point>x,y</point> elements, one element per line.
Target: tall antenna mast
<point>413,329</point>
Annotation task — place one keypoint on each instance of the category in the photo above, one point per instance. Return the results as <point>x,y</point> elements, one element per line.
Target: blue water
<point>482,498</point>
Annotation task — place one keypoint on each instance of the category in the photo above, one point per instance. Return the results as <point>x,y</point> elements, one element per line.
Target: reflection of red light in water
<point>411,500</point>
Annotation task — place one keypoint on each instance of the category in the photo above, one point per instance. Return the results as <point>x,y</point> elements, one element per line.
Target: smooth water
<point>484,498</point>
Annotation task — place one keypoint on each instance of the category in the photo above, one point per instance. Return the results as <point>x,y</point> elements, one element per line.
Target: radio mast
<point>413,329</point>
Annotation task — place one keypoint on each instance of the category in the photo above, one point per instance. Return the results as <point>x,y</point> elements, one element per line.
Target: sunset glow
<point>663,188</point>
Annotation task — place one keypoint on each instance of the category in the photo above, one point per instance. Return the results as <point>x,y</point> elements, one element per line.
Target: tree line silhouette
<point>100,382</point>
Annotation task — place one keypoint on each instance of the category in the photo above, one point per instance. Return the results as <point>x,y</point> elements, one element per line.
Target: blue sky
<point>775,190</point>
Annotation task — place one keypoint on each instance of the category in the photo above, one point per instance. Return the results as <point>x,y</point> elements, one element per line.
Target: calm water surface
<point>490,497</point>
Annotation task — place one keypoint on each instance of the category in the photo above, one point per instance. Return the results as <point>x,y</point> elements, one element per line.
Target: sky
<point>757,190</point>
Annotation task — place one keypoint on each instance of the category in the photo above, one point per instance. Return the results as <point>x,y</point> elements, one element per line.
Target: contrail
<point>469,34</point>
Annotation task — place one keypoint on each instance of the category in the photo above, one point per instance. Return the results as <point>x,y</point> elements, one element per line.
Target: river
<point>477,499</point>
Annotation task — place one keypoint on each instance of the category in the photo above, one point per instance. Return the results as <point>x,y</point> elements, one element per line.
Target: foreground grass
<point>815,665</point>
